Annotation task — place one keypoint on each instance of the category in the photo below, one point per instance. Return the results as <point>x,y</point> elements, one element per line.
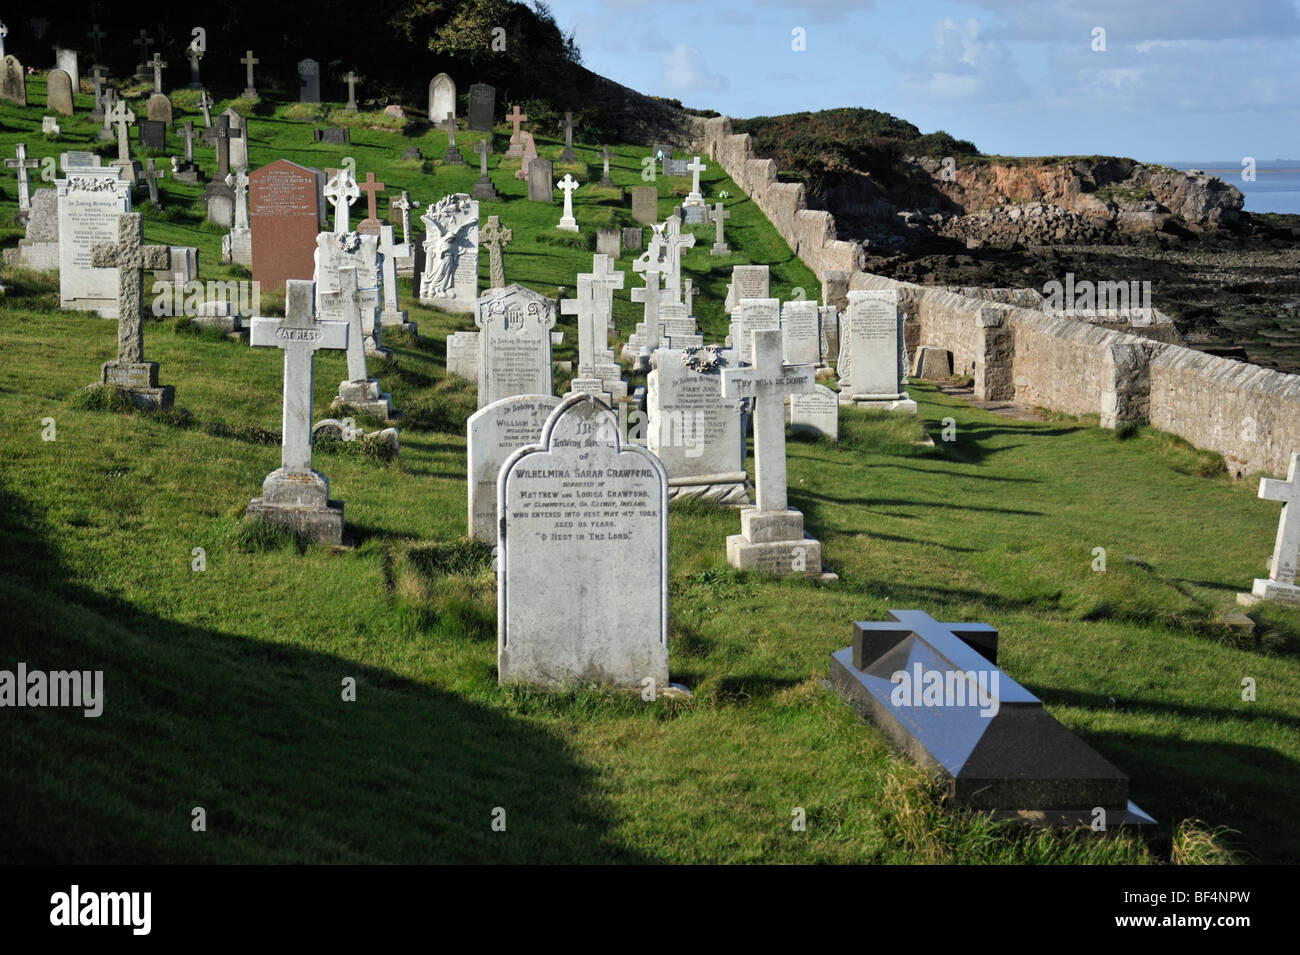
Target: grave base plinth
<point>483,189</point>
<point>398,322</point>
<point>366,396</point>
<point>140,381</point>
<point>1265,589</point>
<point>774,542</point>
<point>899,402</point>
<point>452,157</point>
<point>728,490</point>
<point>568,224</point>
<point>300,501</point>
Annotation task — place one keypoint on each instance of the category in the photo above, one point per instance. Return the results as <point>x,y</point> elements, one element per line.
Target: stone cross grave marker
<point>158,65</point>
<point>151,177</point>
<point>22,164</point>
<point>206,104</point>
<point>351,79</point>
<point>695,197</point>
<point>97,77</point>
<point>122,117</point>
<point>516,149</point>
<point>94,36</point>
<point>195,55</point>
<point>1280,583</point>
<point>370,224</point>
<point>249,61</point>
<point>720,215</point>
<point>594,308</point>
<point>483,188</point>
<point>604,179</point>
<point>404,205</point>
<point>674,241</point>
<point>496,239</point>
<point>143,41</point>
<point>567,222</point>
<point>452,156</point>
<point>294,494</point>
<point>568,155</point>
<point>771,537</point>
<point>189,135</point>
<point>651,269</point>
<point>342,191</point>
<point>582,500</point>
<point>390,252</point>
<point>132,258</point>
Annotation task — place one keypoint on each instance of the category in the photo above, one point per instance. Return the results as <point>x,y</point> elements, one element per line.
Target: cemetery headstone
<point>1280,583</point>
<point>370,225</point>
<point>568,155</point>
<point>39,248</point>
<point>695,197</point>
<point>129,257</point>
<point>567,185</point>
<point>801,335</point>
<point>605,618</point>
<point>308,81</point>
<point>514,343</point>
<point>389,252</point>
<point>13,81</point>
<point>333,136</point>
<point>284,219</point>
<point>153,135</point>
<point>816,413</point>
<point>462,355</point>
<point>452,156</point>
<point>449,277</point>
<point>482,107</point>
<point>598,372</point>
<point>747,281</point>
<point>58,95</point>
<point>442,98</point>
<point>494,433</point>
<point>158,66</point>
<point>645,204</point>
<point>294,495</point>
<point>697,434</point>
<point>609,242</point>
<point>771,538</point>
<point>753,314</point>
<point>351,79</point>
<point>65,59</point>
<point>205,106</point>
<point>606,156</point>
<point>91,198</point>
<point>720,215</point>
<point>338,297</point>
<point>516,149</point>
<point>541,180</point>
<point>250,90</point>
<point>160,109</point>
<point>238,126</point>
<point>151,177</point>
<point>871,366</point>
<point>483,188</point>
<point>633,238</point>
<point>23,165</point>
<point>237,245</point>
<point>529,157</point>
<point>341,191</point>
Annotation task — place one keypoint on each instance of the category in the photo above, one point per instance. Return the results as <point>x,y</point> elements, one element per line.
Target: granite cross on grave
<point>719,244</point>
<point>452,155</point>
<point>131,257</point>
<point>516,144</point>
<point>151,177</point>
<point>249,61</point>
<point>652,269</point>
<point>205,104</point>
<point>567,222</point>
<point>158,64</point>
<point>224,134</point>
<point>389,252</point>
<point>370,224</point>
<point>110,100</point>
<point>769,381</point>
<point>592,306</point>
<point>143,41</point>
<point>300,336</point>
<point>95,35</point>
<point>190,135</point>
<point>496,239</point>
<point>351,79</point>
<point>342,191</point>
<point>122,117</point>
<point>568,155</point>
<point>22,164</point>
<point>674,242</point>
<point>483,188</point>
<point>348,297</point>
<point>606,280</point>
<point>696,167</point>
<point>194,54</point>
<point>604,179</point>
<point>404,205</point>
<point>97,77</point>
<point>238,182</point>
<point>1280,584</point>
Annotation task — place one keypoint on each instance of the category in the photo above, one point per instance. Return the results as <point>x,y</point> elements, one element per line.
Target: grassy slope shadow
<point>258,735</point>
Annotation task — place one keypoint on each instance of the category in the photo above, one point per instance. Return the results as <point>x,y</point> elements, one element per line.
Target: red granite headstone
<point>284,215</point>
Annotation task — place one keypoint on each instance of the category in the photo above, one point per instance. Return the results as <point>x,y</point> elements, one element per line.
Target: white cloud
<point>684,71</point>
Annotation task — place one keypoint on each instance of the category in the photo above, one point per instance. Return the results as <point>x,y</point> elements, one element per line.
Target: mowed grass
<point>223,686</point>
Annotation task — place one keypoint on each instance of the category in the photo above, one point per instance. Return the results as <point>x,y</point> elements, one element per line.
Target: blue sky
<point>1177,80</point>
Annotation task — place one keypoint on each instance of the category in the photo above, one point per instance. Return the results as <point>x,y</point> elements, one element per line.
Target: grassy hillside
<point>223,685</point>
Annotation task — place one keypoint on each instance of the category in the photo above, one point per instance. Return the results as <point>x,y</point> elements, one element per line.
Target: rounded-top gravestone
<point>442,98</point>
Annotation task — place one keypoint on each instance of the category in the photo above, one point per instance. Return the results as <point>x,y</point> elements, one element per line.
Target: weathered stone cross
<point>143,41</point>
<point>159,64</point>
<point>97,76</point>
<point>151,177</point>
<point>347,298</point>
<point>652,269</point>
<point>95,35</point>
<point>238,182</point>
<point>372,190</point>
<point>22,164</point>
<point>496,239</point>
<point>122,116</point>
<point>593,306</point>
<point>351,79</point>
<point>131,258</point>
<point>696,167</point>
<point>674,242</point>
<point>190,135</point>
<point>205,104</point>
<point>517,118</point>
<point>342,191</point>
<point>483,149</point>
<point>250,61</point>
<point>300,336</point>
<point>389,252</point>
<point>1283,568</point>
<point>568,155</point>
<point>606,156</point>
<point>768,381</point>
<point>404,205</point>
<point>224,134</point>
<point>720,246</point>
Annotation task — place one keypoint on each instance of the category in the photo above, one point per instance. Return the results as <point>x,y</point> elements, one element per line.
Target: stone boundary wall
<point>1249,414</point>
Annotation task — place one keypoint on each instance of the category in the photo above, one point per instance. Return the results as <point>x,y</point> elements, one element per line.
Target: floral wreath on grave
<point>702,358</point>
<point>349,241</point>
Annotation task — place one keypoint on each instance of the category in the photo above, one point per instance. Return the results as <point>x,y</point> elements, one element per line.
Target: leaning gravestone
<point>39,249</point>
<point>90,200</point>
<point>541,181</point>
<point>871,367</point>
<point>13,81</point>
<point>697,434</point>
<point>442,98</point>
<point>493,433</point>
<point>514,343</point>
<point>816,413</point>
<point>294,495</point>
<point>58,92</point>
<point>645,204</point>
<point>284,217</point>
<point>482,107</point>
<point>308,81</point>
<point>582,584</point>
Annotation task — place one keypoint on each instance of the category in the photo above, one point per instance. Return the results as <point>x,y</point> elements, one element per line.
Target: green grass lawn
<point>223,686</point>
